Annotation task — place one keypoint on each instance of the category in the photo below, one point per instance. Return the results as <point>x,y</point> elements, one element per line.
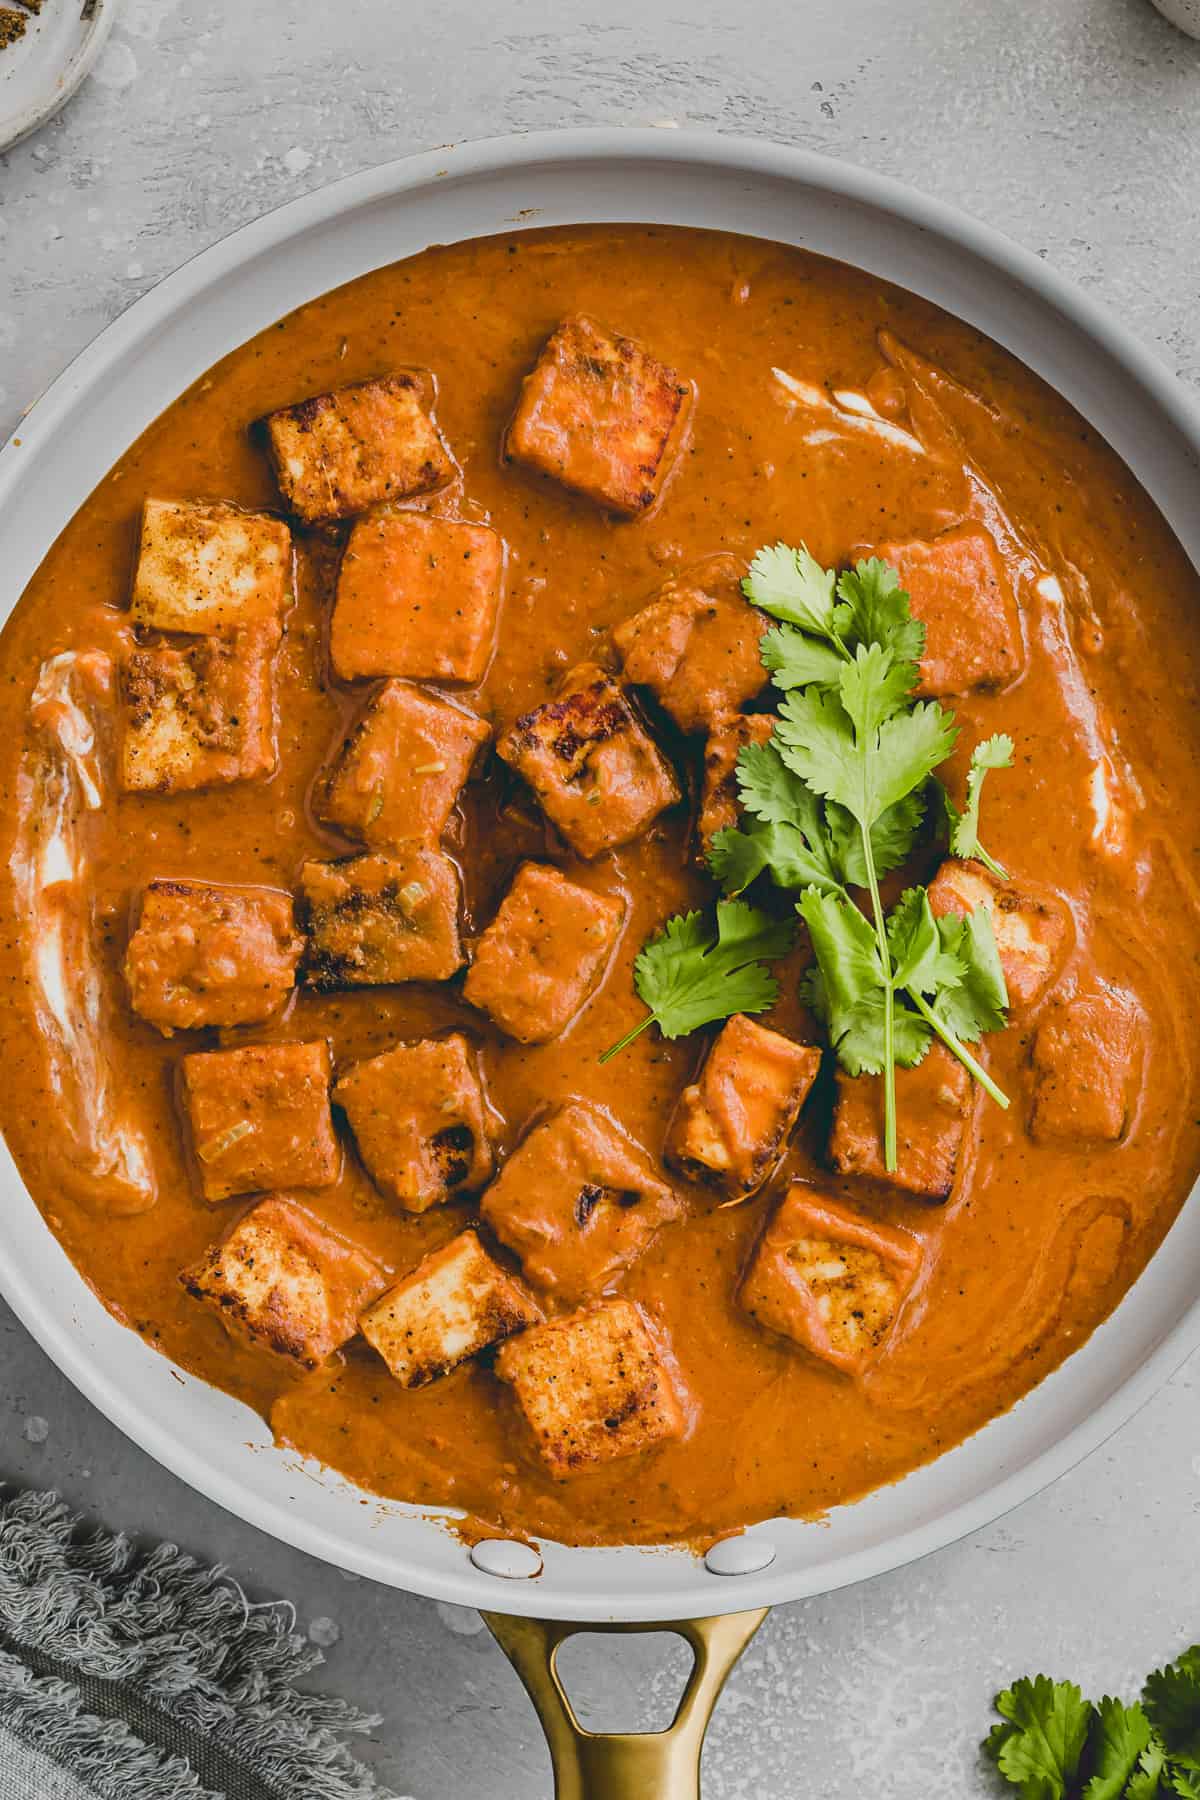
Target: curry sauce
<point>822,404</point>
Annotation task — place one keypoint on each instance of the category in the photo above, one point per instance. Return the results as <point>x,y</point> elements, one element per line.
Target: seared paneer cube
<point>578,1201</point>
<point>594,1387</point>
<point>1087,1059</point>
<point>720,807</point>
<point>453,1305</point>
<point>260,1118</point>
<point>282,1278</point>
<point>732,1124</point>
<point>1030,931</point>
<point>960,590</point>
<point>209,568</point>
<point>418,1117</point>
<point>828,1279</point>
<point>374,919</point>
<point>934,1109</point>
<point>601,415</point>
<point>337,454</point>
<point>544,954</point>
<point>600,777</point>
<point>197,716</point>
<point>205,953</point>
<point>398,775</point>
<point>417,597</point>
<point>696,648</point>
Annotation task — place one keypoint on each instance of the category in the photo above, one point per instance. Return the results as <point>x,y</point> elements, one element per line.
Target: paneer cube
<point>828,1279</point>
<point>934,1108</point>
<point>720,807</point>
<point>418,1117</point>
<point>544,954</point>
<point>1087,1059</point>
<point>453,1305</point>
<point>598,774</point>
<point>337,454</point>
<point>207,954</point>
<point>197,716</point>
<point>282,1278</point>
<point>417,597</point>
<point>398,775</point>
<point>1030,932</point>
<point>595,1387</point>
<point>696,647</point>
<point>260,1118</point>
<point>578,1201</point>
<point>960,590</point>
<point>374,919</point>
<point>601,415</point>
<point>209,568</point>
<point>732,1124</point>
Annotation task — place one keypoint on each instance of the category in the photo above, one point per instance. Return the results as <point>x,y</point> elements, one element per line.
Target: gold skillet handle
<point>655,1765</point>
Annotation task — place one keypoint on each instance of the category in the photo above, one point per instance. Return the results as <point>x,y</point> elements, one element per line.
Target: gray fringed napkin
<point>143,1676</point>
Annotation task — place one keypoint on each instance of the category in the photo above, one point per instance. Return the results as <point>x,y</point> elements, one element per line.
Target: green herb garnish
<point>696,971</point>
<point>1053,1744</point>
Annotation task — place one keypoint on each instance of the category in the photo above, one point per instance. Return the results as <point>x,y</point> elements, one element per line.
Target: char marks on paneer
<point>935,1105</point>
<point>594,1387</point>
<point>1087,1059</point>
<point>1031,931</point>
<point>283,1279</point>
<point>720,807</point>
<point>337,454</point>
<point>695,646</point>
<point>205,953</point>
<point>211,569</point>
<point>198,715</point>
<point>731,1125</point>
<point>600,777</point>
<point>420,1121</point>
<point>578,1201</point>
<point>374,919</point>
<point>259,1117</point>
<point>602,416</point>
<point>828,1279</point>
<point>544,953</point>
<point>960,590</point>
<point>417,597</point>
<point>400,771</point>
<point>455,1303</point>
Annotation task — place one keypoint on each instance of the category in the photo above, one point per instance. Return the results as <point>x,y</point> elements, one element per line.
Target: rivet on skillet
<point>739,1556</point>
<point>506,1557</point>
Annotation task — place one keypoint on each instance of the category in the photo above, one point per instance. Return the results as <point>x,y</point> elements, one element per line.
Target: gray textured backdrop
<point>1074,125</point>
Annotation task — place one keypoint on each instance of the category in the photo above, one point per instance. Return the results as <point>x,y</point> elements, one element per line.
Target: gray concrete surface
<point>1074,125</point>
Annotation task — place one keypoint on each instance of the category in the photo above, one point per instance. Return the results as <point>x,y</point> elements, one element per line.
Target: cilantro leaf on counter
<point>1171,1698</point>
<point>698,970</point>
<point>1120,1737</point>
<point>1039,1746</point>
<point>993,753</point>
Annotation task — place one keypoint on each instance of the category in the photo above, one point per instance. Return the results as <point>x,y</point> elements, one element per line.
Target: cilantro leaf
<point>874,687</point>
<point>1040,1746</point>
<point>892,838</point>
<point>921,960</point>
<point>869,771</point>
<point>993,753</point>
<point>773,792</point>
<point>978,1002</point>
<point>1185,1782</point>
<point>1171,1698</point>
<point>1146,1782</point>
<point>793,660</point>
<point>850,995</point>
<point>791,585</point>
<point>1119,1736</point>
<point>874,609</point>
<point>737,858</point>
<point>695,972</point>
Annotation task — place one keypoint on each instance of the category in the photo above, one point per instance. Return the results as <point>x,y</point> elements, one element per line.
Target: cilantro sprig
<point>695,972</point>
<point>862,751</point>
<point>1054,1744</point>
